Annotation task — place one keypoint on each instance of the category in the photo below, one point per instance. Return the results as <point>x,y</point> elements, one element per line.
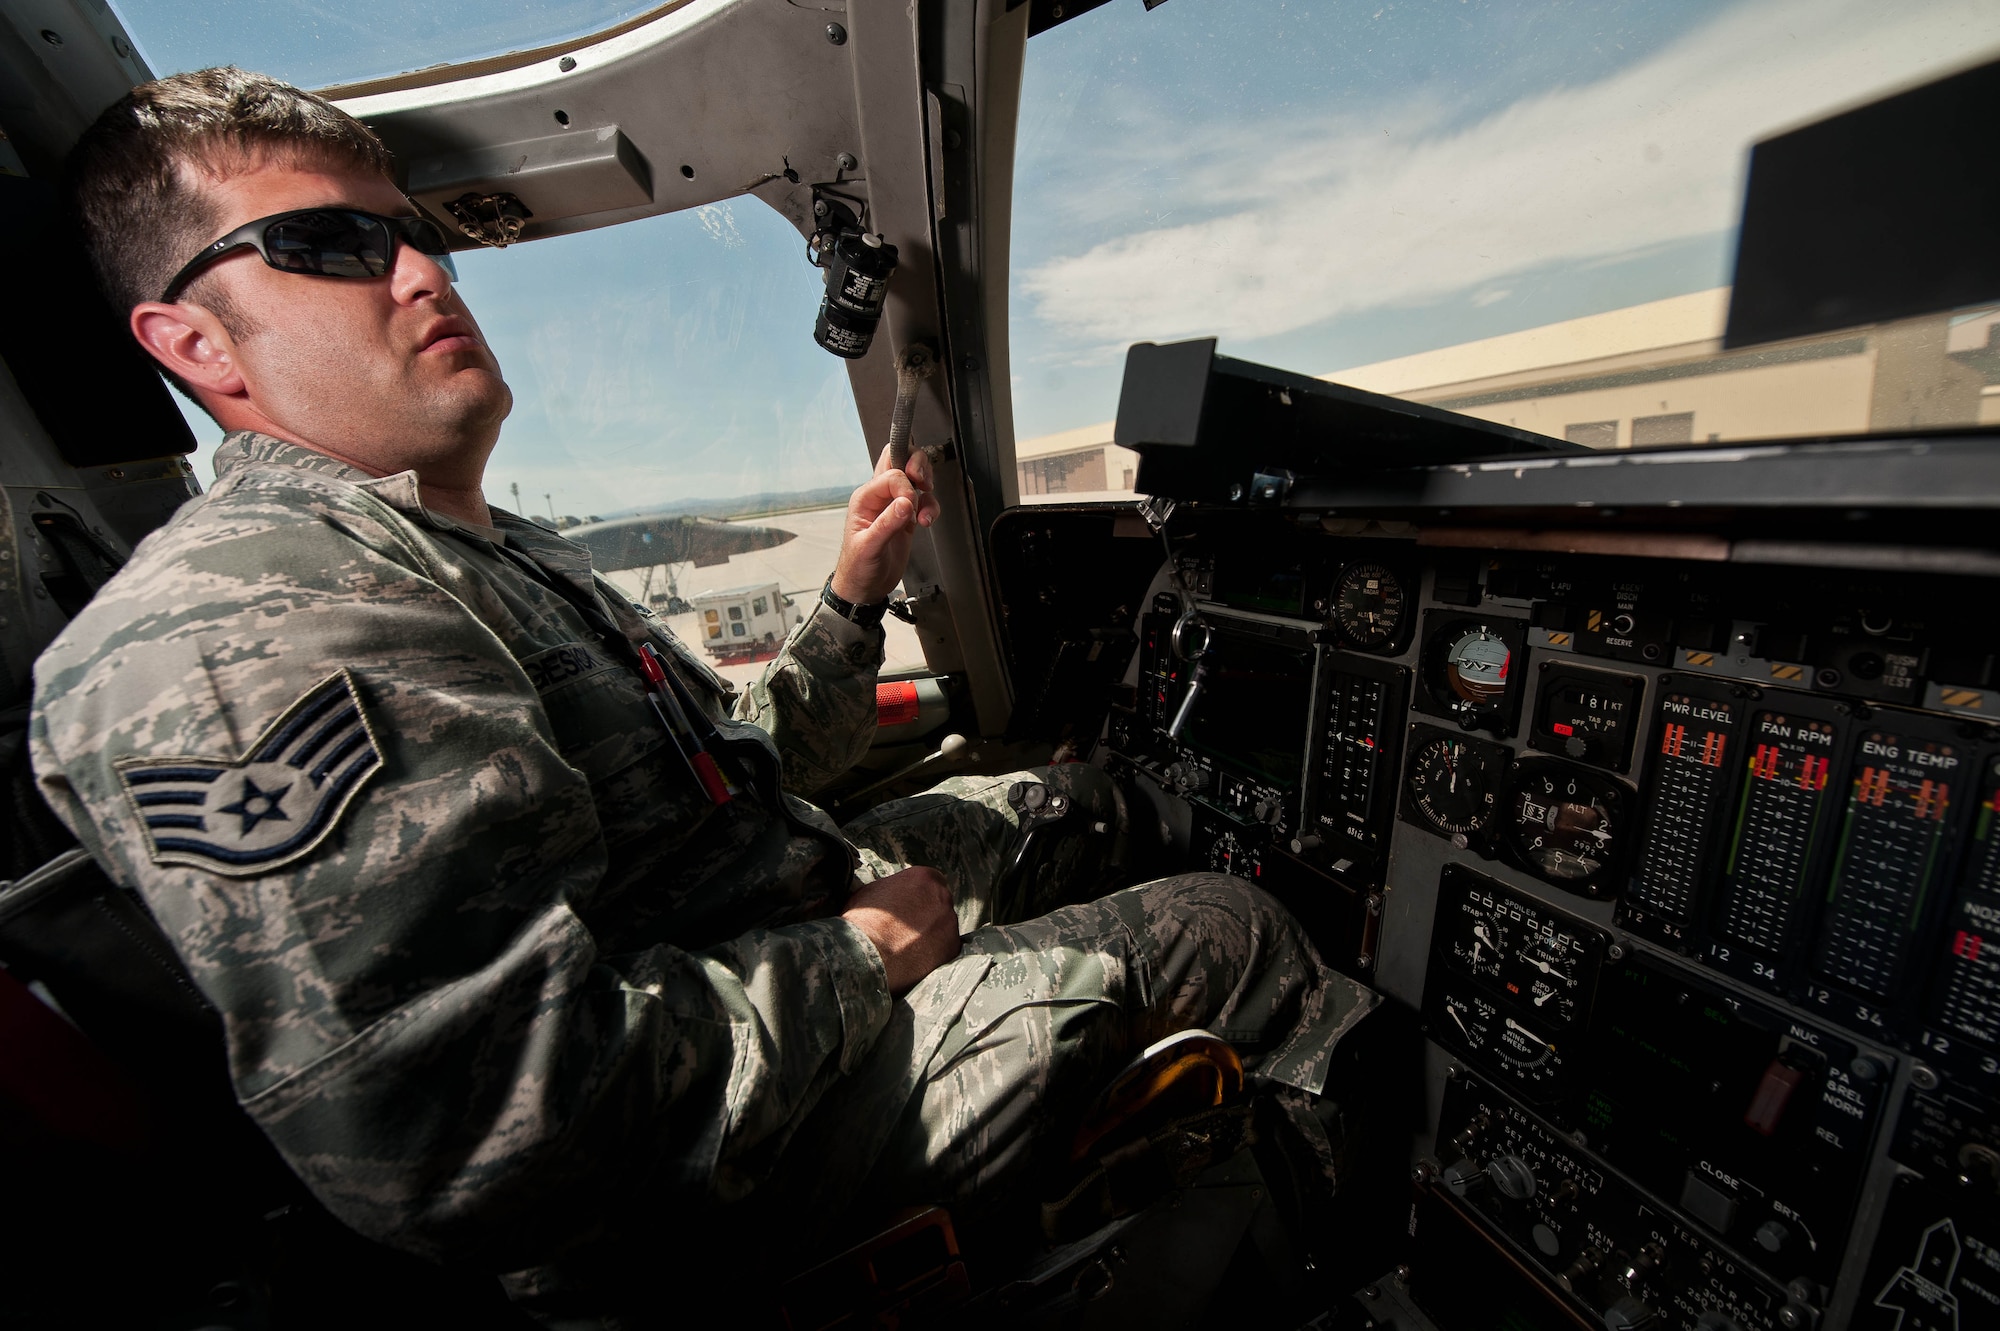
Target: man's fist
<point>882,519</point>
<point>909,918</point>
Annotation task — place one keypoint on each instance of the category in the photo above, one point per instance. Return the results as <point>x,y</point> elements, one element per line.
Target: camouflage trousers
<point>991,1060</point>
<point>989,1063</point>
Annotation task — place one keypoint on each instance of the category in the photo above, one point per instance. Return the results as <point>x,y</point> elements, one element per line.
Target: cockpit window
<point>673,414</point>
<point>1522,211</point>
<point>320,45</point>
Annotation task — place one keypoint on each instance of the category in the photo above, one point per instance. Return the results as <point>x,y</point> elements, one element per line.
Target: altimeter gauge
<point>1564,823</point>
<point>1368,605</point>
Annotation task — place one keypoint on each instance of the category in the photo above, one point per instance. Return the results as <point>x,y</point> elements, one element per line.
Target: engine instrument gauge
<point>1454,782</point>
<point>1368,605</point>
<point>1563,823</point>
<point>1471,668</point>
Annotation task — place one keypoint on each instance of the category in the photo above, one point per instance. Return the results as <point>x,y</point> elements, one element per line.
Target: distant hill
<point>743,506</point>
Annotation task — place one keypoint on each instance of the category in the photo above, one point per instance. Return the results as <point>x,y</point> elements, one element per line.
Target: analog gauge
<point>1586,714</point>
<point>1476,665</point>
<point>1454,782</point>
<point>1503,1043</point>
<point>1548,977</point>
<point>1470,665</point>
<point>1368,605</point>
<point>1480,945</point>
<point>1563,823</point>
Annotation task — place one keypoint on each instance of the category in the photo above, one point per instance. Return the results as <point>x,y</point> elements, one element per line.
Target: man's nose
<point>417,276</point>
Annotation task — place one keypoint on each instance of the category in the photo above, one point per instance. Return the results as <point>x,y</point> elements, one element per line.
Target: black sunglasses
<point>324,242</point>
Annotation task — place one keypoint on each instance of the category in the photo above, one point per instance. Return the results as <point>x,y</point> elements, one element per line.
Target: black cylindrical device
<point>857,281</point>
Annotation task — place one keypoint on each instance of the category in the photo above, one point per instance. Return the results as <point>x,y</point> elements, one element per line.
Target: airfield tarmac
<point>799,567</point>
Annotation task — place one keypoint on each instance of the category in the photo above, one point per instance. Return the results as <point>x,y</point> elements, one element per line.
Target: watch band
<point>867,616</point>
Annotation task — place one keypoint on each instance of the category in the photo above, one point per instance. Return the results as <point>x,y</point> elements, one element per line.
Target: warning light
<point>1562,728</point>
<point>1967,945</point>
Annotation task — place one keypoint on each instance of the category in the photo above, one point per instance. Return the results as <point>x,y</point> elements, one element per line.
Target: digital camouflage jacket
<point>418,834</point>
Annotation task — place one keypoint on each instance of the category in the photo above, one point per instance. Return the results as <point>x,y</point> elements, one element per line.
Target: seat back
<point>193,1218</point>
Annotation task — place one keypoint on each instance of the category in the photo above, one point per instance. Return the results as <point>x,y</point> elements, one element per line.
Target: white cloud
<point>1340,215</point>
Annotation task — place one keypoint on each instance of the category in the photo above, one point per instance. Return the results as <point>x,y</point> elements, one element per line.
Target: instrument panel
<point>1666,867</point>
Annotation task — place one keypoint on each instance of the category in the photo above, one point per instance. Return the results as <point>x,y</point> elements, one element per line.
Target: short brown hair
<point>130,188</point>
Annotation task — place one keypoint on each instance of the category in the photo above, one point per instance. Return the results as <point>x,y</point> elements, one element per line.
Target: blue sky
<point>1317,182</point>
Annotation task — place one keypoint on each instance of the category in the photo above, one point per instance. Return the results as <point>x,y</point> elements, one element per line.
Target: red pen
<point>668,708</point>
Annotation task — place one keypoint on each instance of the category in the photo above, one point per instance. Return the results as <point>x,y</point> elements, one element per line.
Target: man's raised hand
<point>882,519</point>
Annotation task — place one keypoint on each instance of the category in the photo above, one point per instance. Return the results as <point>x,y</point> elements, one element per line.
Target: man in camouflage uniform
<point>500,978</point>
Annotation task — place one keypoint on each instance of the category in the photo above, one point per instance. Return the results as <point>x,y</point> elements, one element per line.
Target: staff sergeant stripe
<point>346,717</point>
<point>146,776</point>
<point>269,807</point>
<point>339,754</point>
<point>145,798</point>
<point>268,751</point>
<point>324,812</point>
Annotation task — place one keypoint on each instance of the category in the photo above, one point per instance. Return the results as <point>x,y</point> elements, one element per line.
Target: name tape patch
<point>248,815</point>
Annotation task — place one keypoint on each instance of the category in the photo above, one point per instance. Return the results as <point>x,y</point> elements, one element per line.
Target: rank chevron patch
<point>255,813</point>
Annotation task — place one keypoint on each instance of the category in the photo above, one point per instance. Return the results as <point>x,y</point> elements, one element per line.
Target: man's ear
<point>191,343</point>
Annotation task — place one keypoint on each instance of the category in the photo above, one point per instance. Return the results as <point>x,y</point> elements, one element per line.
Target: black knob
<point>1513,1177</point>
<point>1464,1177</point>
<point>1629,1314</point>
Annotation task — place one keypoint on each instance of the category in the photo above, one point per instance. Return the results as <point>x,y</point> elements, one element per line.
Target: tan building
<point>1074,462</point>
<point>1647,375</point>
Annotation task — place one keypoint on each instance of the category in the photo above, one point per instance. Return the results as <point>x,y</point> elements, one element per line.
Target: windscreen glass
<point>1519,210</point>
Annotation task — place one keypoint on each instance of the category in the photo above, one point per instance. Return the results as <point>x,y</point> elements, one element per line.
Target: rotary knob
<point>1629,1314</point>
<point>1772,1236</point>
<point>1513,1177</point>
<point>1464,1177</point>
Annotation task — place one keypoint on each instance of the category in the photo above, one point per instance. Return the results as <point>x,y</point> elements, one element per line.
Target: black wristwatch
<point>867,616</point>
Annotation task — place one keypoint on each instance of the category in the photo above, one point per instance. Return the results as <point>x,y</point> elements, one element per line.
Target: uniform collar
<point>247,448</point>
